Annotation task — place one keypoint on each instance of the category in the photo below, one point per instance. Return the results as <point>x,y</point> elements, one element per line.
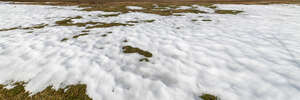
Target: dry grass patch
<point>130,49</point>
<point>159,8</point>
<point>105,25</point>
<point>144,60</point>
<point>38,26</point>
<point>79,35</point>
<point>206,20</point>
<point>64,39</point>
<point>18,92</point>
<point>109,15</point>
<point>208,97</point>
<point>233,12</point>
<point>142,21</point>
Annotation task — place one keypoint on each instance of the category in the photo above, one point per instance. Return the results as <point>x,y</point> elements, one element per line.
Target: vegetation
<point>130,49</point>
<point>234,12</point>
<point>38,26</point>
<point>206,20</point>
<point>208,97</point>
<point>79,35</point>
<point>18,92</point>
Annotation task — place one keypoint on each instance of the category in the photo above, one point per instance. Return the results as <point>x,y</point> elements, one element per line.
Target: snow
<point>254,55</point>
<point>134,7</point>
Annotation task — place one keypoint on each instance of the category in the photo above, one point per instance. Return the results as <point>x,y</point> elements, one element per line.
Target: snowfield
<point>254,55</point>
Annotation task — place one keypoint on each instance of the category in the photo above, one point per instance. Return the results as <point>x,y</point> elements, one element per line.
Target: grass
<point>144,59</point>
<point>144,21</point>
<point>64,39</point>
<point>163,9</point>
<point>208,97</point>
<point>233,12</point>
<point>18,92</point>
<point>109,15</point>
<point>79,35</point>
<point>38,26</point>
<point>105,25</point>
<point>194,20</point>
<point>130,49</point>
<point>206,20</point>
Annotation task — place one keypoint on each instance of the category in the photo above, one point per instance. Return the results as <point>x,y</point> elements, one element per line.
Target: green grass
<point>130,49</point>
<point>18,92</point>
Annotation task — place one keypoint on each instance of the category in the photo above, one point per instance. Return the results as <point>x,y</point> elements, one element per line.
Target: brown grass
<point>38,26</point>
<point>208,97</point>
<point>79,35</point>
<point>105,25</point>
<point>71,92</point>
<point>130,49</point>
<point>233,12</point>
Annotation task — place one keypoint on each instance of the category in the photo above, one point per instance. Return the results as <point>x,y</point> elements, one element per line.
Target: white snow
<point>254,55</point>
<point>134,7</point>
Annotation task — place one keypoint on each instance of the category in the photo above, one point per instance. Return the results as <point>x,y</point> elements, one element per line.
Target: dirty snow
<point>254,55</point>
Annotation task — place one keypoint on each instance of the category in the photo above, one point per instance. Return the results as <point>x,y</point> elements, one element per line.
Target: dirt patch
<point>130,49</point>
<point>18,92</point>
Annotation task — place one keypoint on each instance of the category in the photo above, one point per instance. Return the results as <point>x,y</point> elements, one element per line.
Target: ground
<point>156,52</point>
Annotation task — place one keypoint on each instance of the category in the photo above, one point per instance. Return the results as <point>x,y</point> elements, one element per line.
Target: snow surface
<point>134,7</point>
<point>254,55</point>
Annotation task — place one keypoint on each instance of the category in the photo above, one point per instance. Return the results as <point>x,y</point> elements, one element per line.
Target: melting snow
<point>254,55</point>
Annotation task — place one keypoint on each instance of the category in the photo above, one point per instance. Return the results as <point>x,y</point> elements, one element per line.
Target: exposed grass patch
<point>144,21</point>
<point>130,49</point>
<point>8,29</point>
<point>79,35</point>
<point>149,21</point>
<point>64,39</point>
<point>206,20</point>
<point>132,21</point>
<point>208,97</point>
<point>144,59</point>
<point>194,20</point>
<point>109,15</point>
<point>104,35</point>
<point>85,31</point>
<point>69,22</point>
<point>105,25</point>
<point>163,9</point>
<point>233,12</point>
<point>71,92</point>
<point>38,26</point>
